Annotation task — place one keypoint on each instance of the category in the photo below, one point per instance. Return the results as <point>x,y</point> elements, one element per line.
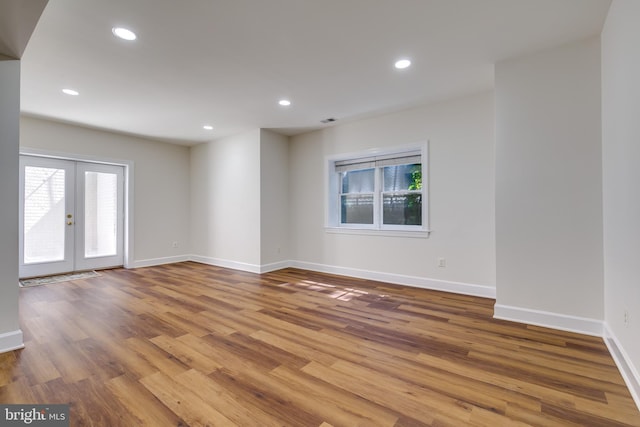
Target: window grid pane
<point>402,177</point>
<point>359,181</point>
<point>44,211</point>
<point>356,208</point>
<point>402,208</point>
<point>357,196</point>
<point>101,214</point>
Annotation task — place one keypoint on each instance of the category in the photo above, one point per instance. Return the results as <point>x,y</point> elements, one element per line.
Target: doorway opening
<point>72,216</point>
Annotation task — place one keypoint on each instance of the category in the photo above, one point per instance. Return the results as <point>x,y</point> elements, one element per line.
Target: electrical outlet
<point>174,244</point>
<point>626,318</point>
<point>442,262</point>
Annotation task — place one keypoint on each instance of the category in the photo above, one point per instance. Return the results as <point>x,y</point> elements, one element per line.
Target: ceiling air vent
<point>329,120</point>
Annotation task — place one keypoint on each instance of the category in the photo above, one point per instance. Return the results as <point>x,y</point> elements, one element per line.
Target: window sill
<point>421,234</point>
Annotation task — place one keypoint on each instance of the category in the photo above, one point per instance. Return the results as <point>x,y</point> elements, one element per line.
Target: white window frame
<point>333,222</point>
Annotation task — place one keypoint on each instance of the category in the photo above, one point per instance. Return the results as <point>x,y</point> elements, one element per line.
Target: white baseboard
<point>11,341</point>
<point>265,268</point>
<point>218,262</point>
<point>563,322</point>
<point>624,363</point>
<point>235,265</point>
<point>399,279</point>
<point>159,261</point>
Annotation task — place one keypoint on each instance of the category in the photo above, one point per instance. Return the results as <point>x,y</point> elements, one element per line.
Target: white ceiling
<point>228,62</point>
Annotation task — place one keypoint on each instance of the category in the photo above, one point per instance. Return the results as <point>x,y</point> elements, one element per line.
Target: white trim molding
<point>159,261</point>
<point>624,363</point>
<point>274,266</point>
<point>235,265</point>
<point>563,322</point>
<point>399,279</point>
<point>422,234</point>
<point>10,341</point>
<point>218,262</point>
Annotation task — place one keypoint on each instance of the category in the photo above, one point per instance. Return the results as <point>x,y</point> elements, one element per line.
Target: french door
<point>71,216</point>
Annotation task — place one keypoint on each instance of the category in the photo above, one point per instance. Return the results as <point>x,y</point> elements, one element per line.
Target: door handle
<point>69,222</point>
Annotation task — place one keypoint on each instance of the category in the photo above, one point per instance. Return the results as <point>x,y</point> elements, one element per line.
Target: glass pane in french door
<point>44,214</point>
<point>101,214</point>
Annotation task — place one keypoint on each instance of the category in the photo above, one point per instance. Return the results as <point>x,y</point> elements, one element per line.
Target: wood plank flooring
<point>190,344</point>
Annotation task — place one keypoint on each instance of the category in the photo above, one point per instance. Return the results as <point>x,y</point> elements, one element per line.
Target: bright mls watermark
<point>34,415</point>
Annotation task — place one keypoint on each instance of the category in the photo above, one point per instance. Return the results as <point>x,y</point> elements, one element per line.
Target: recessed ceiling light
<point>284,102</point>
<point>402,63</point>
<point>71,92</point>
<point>207,127</point>
<point>124,33</point>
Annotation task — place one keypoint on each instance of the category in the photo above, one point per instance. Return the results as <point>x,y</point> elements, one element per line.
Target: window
<point>356,196</point>
<point>384,191</point>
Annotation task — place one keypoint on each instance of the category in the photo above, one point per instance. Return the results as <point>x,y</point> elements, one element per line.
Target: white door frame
<point>128,189</point>
<point>67,214</point>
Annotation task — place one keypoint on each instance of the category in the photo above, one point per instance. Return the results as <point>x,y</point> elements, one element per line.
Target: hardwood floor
<point>190,344</point>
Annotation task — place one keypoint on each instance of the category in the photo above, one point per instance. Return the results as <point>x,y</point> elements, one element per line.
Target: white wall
<point>621,173</point>
<point>10,334</point>
<point>225,201</point>
<point>274,198</point>
<point>549,184</point>
<point>461,188</point>
<point>161,179</point>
